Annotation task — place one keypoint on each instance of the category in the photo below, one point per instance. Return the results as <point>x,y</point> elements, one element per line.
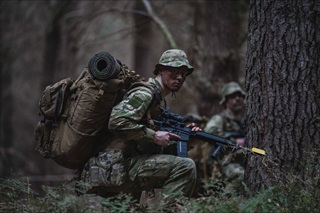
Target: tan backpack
<point>76,113</point>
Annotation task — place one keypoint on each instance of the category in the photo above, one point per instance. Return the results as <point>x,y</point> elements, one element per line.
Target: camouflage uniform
<point>132,162</point>
<point>229,164</point>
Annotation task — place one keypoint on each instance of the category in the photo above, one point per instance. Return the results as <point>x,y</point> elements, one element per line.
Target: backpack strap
<point>157,98</point>
<point>57,107</point>
<point>149,119</point>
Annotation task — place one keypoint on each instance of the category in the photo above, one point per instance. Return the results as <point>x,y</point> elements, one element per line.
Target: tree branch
<point>161,24</point>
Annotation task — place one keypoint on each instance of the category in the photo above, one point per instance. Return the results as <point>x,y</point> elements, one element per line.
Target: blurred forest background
<point>270,47</point>
<point>45,41</point>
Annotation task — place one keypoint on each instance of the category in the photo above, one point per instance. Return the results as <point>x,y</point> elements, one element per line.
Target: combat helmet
<point>228,89</point>
<point>173,58</point>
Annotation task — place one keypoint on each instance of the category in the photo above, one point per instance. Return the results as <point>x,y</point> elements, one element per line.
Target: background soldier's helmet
<point>229,89</point>
<point>173,58</point>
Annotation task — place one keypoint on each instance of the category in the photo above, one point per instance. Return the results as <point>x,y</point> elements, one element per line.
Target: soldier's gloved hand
<point>162,138</point>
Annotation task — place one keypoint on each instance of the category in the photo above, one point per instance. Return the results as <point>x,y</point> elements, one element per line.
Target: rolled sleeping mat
<point>104,66</point>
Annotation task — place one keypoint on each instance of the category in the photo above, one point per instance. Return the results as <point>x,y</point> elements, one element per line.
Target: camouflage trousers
<point>140,173</point>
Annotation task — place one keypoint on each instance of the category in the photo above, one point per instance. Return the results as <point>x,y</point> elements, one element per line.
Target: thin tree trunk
<point>6,102</point>
<point>53,43</point>
<point>142,37</point>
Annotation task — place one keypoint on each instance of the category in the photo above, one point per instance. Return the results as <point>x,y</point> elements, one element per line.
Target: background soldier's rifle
<point>233,135</point>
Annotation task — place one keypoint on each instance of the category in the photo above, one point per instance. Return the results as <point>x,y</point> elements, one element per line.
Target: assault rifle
<point>174,123</point>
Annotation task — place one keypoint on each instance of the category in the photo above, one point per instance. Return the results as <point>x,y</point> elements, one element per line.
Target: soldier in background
<point>229,164</point>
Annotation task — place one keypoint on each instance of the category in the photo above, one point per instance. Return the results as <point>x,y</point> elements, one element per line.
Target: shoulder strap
<point>157,98</point>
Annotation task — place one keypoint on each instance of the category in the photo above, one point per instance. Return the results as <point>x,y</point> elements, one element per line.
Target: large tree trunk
<point>282,82</point>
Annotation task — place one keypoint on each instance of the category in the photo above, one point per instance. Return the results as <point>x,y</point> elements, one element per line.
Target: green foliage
<point>12,191</point>
<point>286,199</point>
<point>119,204</point>
<point>16,195</point>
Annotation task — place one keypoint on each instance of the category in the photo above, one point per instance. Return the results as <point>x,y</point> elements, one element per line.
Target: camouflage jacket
<point>129,134</point>
<point>224,123</point>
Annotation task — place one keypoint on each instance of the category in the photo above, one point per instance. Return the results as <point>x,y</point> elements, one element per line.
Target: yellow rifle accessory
<point>258,151</point>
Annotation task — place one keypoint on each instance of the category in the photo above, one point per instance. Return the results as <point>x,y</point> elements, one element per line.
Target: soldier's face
<point>235,102</point>
<point>173,78</point>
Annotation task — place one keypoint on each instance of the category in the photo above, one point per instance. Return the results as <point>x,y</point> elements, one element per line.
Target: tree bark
<point>282,75</point>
